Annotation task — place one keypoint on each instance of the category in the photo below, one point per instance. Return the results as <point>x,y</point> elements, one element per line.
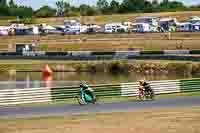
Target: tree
<point>132,6</point>
<point>67,9</point>
<point>60,7</point>
<point>12,3</point>
<point>86,10</point>
<point>195,7</point>
<point>176,5</point>
<point>155,5</point>
<point>102,6</point>
<point>45,11</point>
<point>167,5</point>
<point>148,7</point>
<point>3,2</point>
<point>24,12</point>
<point>4,10</point>
<point>114,6</point>
<point>63,8</point>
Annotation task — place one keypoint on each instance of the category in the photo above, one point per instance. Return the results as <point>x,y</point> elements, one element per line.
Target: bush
<point>119,67</point>
<point>180,68</point>
<point>43,47</point>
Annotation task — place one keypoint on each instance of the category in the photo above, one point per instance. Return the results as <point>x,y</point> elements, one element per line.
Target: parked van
<point>151,21</point>
<point>167,23</point>
<point>194,19</point>
<point>184,27</point>
<point>4,31</point>
<point>72,26</point>
<point>141,27</point>
<point>196,26</point>
<point>115,27</point>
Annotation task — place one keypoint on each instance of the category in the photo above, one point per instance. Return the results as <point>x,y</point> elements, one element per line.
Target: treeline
<point>12,9</point>
<point>103,7</point>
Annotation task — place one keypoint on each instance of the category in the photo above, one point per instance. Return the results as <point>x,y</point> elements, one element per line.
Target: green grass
<point>105,99</point>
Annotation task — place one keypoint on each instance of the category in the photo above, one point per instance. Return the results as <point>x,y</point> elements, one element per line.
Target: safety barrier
<point>135,56</point>
<point>104,53</point>
<point>186,55</point>
<point>34,95</point>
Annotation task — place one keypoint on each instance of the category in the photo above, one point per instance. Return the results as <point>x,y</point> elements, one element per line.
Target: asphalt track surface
<point>73,109</point>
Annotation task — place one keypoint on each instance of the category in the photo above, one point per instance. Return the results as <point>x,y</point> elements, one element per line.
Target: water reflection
<point>35,79</point>
<point>90,77</point>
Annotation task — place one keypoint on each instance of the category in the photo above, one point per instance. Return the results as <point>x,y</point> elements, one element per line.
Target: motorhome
<point>152,21</point>
<point>84,29</point>
<point>194,19</point>
<point>93,28</point>
<point>184,27</point>
<point>25,30</point>
<point>167,23</point>
<point>72,26</point>
<point>196,26</point>
<point>4,31</point>
<point>71,22</point>
<point>115,27</point>
<point>141,27</point>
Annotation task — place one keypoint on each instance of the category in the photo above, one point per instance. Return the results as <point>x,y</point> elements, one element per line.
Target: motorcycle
<point>84,98</point>
<point>148,94</point>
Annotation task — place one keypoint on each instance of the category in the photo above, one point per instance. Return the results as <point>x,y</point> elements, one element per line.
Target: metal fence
<point>45,94</point>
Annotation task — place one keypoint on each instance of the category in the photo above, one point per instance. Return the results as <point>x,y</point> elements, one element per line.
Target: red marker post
<point>47,75</point>
<point>47,71</point>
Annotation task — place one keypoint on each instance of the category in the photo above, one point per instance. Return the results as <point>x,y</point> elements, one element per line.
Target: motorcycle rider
<point>144,87</point>
<point>87,90</point>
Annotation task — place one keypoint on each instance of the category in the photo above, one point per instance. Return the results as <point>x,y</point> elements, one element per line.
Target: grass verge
<point>106,99</point>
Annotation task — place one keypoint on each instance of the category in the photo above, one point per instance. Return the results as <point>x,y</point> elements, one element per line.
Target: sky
<point>38,3</point>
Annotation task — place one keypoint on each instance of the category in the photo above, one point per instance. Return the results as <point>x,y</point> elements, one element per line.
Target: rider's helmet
<point>83,85</point>
<point>141,81</point>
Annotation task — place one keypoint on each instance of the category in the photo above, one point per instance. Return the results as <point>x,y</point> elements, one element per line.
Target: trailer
<point>115,27</point>
<point>141,27</point>
<point>152,21</point>
<point>166,23</point>
<point>184,27</point>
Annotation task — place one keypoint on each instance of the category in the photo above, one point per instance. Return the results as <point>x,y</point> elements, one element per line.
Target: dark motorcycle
<point>146,94</point>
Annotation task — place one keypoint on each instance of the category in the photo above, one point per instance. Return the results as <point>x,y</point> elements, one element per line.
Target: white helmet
<point>142,81</point>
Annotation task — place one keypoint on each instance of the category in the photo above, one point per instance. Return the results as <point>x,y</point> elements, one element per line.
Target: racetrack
<point>53,110</point>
